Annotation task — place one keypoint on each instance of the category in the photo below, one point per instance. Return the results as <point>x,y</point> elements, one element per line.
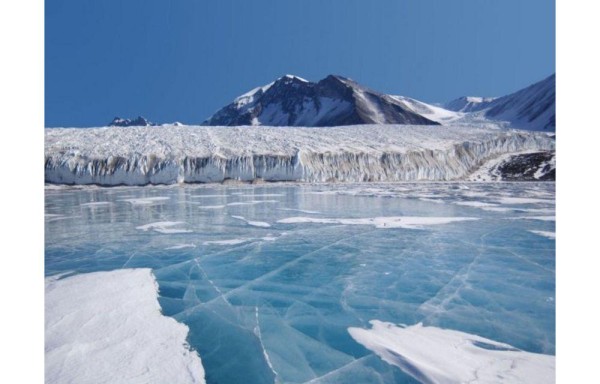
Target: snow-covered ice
<point>182,246</point>
<point>437,356</point>
<point>548,234</point>
<point>164,227</point>
<point>274,304</point>
<point>252,202</point>
<point>226,242</point>
<point>478,204</point>
<point>107,327</point>
<point>541,218</point>
<point>254,223</point>
<point>147,200</point>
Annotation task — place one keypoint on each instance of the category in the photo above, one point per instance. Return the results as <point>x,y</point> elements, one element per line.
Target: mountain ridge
<point>529,108</point>
<point>337,100</point>
<point>333,101</point>
<point>340,101</point>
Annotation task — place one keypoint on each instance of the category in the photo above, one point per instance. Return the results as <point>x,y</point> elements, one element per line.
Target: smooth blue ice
<point>270,301</point>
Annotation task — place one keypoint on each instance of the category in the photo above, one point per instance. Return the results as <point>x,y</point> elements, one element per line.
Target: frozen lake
<point>269,278</point>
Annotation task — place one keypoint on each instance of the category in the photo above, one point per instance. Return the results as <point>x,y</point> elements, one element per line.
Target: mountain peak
<point>339,79</point>
<point>335,100</point>
<point>137,122</point>
<point>293,77</point>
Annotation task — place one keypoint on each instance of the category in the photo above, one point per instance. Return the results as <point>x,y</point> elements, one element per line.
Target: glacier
<point>197,154</point>
<point>293,282</point>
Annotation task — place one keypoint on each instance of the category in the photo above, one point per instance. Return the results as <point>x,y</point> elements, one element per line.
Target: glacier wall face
<point>175,154</point>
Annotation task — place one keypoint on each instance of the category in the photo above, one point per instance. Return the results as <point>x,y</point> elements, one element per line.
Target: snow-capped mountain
<point>336,100</point>
<point>531,108</point>
<point>137,122</point>
<point>333,101</point>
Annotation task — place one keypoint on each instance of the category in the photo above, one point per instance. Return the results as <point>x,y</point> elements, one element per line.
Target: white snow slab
<point>435,355</point>
<point>300,210</point>
<point>548,234</point>
<point>253,223</point>
<point>476,204</point>
<point>182,246</point>
<point>226,242</point>
<point>146,200</point>
<point>96,204</point>
<point>539,218</point>
<point>524,200</point>
<point>212,207</point>
<point>253,202</point>
<point>107,327</point>
<point>387,222</point>
<point>165,227</point>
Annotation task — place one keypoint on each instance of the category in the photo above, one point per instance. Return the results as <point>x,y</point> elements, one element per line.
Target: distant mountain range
<point>532,108</point>
<point>335,100</point>
<point>137,122</point>
<point>468,103</point>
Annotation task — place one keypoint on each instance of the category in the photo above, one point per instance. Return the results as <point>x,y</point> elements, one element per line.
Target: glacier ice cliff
<point>198,154</point>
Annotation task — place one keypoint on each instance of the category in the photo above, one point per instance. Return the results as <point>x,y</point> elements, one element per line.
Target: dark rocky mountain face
<point>137,122</point>
<point>529,167</point>
<point>333,101</point>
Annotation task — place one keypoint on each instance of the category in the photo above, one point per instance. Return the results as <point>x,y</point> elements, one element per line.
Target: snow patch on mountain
<point>432,112</point>
<point>468,104</point>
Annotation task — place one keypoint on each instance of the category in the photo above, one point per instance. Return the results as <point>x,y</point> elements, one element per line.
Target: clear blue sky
<point>181,60</point>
